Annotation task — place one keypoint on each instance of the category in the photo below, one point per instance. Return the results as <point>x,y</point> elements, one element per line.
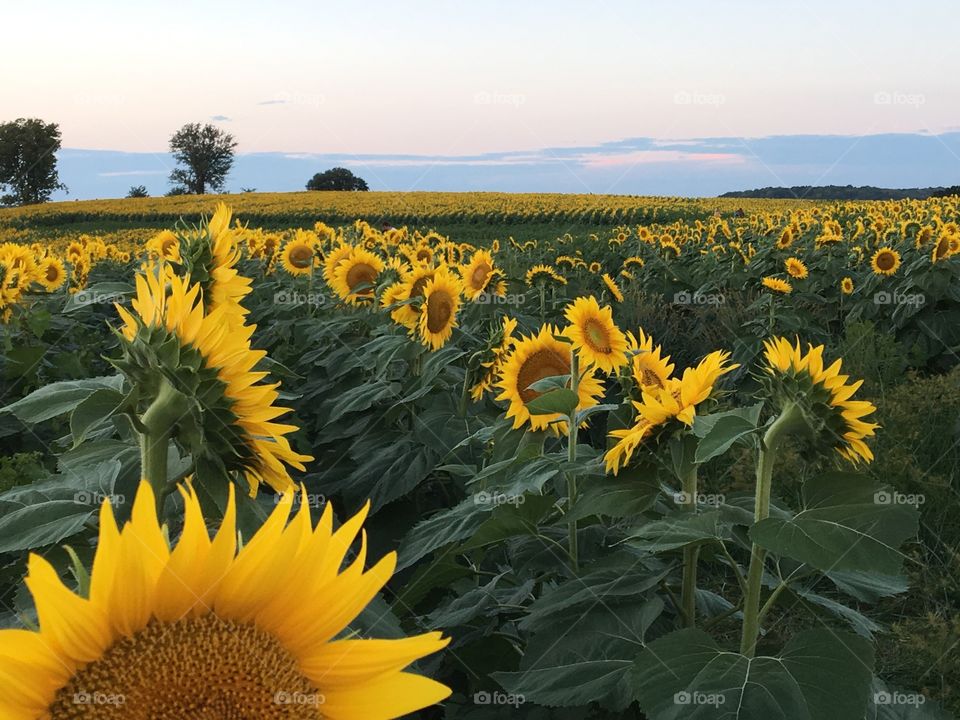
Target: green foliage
<point>337,178</point>
<point>205,155</point>
<point>28,161</point>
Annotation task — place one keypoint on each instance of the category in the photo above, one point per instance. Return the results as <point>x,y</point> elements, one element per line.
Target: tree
<point>337,178</point>
<point>205,153</point>
<point>28,161</point>
<point>138,191</point>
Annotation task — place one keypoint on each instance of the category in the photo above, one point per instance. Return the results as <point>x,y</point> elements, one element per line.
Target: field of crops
<point>542,456</point>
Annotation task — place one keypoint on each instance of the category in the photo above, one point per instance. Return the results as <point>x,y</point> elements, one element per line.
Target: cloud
<point>220,118</point>
<point>272,102</point>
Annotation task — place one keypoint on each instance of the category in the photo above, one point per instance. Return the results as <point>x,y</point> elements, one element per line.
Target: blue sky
<point>499,94</point>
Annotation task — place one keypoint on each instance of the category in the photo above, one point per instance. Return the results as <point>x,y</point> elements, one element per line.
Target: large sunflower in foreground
<point>477,274</point>
<point>209,629</point>
<point>438,313</point>
<point>229,419</point>
<point>825,396</point>
<point>595,335</point>
<point>355,276</point>
<point>676,400</point>
<point>535,358</point>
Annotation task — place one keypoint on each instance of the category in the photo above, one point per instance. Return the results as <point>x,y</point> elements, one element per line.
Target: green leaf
<point>627,495</point>
<point>553,382</point>
<point>845,526</point>
<point>592,410</point>
<point>444,528</point>
<point>561,400</point>
<point>819,675</point>
<point>42,523</point>
<point>100,294</point>
<point>94,410</point>
<point>60,397</point>
<point>679,530</point>
<point>718,432</point>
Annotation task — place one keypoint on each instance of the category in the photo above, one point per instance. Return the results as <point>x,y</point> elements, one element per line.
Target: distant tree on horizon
<point>337,178</point>
<point>205,154</point>
<point>28,161</point>
<point>138,191</point>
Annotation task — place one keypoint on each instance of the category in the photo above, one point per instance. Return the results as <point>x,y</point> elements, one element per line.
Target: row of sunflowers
<point>555,477</point>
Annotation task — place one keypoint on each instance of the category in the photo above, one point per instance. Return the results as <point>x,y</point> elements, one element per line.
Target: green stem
<point>158,423</point>
<point>691,553</point>
<point>789,416</point>
<point>464,393</point>
<point>543,303</point>
<point>572,456</point>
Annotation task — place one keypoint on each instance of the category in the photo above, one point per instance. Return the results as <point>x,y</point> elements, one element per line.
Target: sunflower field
<point>479,456</point>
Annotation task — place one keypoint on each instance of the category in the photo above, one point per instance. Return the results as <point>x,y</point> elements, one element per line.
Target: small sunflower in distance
<point>885,261</point>
<point>777,285</point>
<point>298,255</point>
<point>823,395</point>
<point>438,313</point>
<point>846,286</point>
<point>796,268</point>
<point>204,616</point>
<point>543,274</point>
<point>612,286</point>
<point>535,358</point>
<point>595,335</point>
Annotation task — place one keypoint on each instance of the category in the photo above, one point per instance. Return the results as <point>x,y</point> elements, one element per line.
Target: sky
<point>414,85</point>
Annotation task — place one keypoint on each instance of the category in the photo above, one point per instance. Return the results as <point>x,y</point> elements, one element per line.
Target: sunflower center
<point>439,310</point>
<point>540,365</point>
<point>167,247</point>
<point>201,668</point>
<point>416,290</point>
<point>480,273</point>
<point>596,336</point>
<point>885,261</point>
<point>361,274</point>
<point>53,273</point>
<point>648,378</point>
<point>301,256</point>
<point>424,255</point>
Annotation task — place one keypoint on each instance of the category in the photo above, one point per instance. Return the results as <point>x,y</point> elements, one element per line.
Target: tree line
<point>203,153</point>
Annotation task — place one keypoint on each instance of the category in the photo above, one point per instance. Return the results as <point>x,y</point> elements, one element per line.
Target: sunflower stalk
<point>691,553</point>
<point>158,423</point>
<point>571,457</point>
<point>790,417</point>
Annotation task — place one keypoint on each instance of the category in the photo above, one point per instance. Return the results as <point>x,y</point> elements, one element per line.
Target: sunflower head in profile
<point>676,400</point>
<point>490,361</point>
<point>846,286</point>
<point>943,248</point>
<point>401,314</point>
<point>356,275</point>
<point>777,285</point>
<point>649,367</point>
<point>786,239</point>
<point>823,396</point>
<point>477,274</point>
<point>197,628</point>
<point>633,262</point>
<point>165,245</point>
<point>535,358</point>
<point>171,343</point>
<point>595,335</point>
<point>885,261</point>
<point>611,285</point>
<point>299,254</point>
<point>543,275</point>
<point>51,273</point>
<point>796,268</point>
<point>438,312</point>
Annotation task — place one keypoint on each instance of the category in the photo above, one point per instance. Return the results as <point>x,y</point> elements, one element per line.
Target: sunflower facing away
<point>532,359</point>
<point>777,285</point>
<point>676,400</point>
<point>595,335</point>
<point>612,286</point>
<point>438,313</point>
<point>477,274</point>
<point>499,348</point>
<point>885,261</point>
<point>824,392</point>
<point>206,628</point>
<point>231,418</point>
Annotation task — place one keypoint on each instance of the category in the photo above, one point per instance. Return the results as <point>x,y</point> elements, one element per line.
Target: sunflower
<point>796,268</point>
<point>796,377</point>
<point>543,274</point>
<point>885,261</point>
<point>595,267</point>
<point>777,285</point>
<point>612,286</point>
<point>477,274</point>
<point>633,262</point>
<point>230,421</point>
<point>355,276</point>
<point>298,255</point>
<point>649,368</point>
<point>942,249</point>
<point>595,335</point>
<point>677,399</point>
<point>203,616</point>
<point>499,348</point>
<point>438,314</point>
<point>846,286</point>
<point>51,273</point>
<point>165,246</point>
<point>402,315</point>
<point>535,358</point>
<point>786,239</point>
